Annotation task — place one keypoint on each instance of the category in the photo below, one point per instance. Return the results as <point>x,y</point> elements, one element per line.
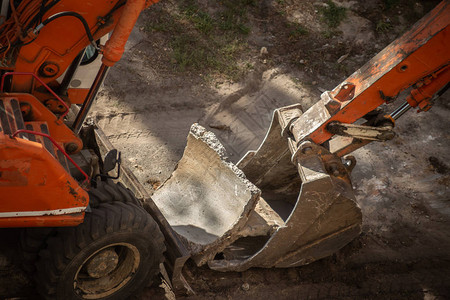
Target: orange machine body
<point>60,41</point>
<point>36,188</point>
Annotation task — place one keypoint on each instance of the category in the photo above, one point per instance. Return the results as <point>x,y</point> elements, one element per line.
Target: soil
<point>186,63</point>
<point>290,55</point>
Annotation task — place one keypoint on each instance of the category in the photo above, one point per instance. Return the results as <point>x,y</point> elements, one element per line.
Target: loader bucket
<point>279,214</point>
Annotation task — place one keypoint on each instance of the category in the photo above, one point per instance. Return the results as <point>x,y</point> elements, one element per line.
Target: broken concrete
<point>207,200</point>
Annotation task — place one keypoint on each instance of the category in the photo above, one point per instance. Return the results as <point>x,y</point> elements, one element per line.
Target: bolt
<point>48,69</point>
<point>305,147</point>
<point>71,147</point>
<point>349,163</point>
<point>25,108</point>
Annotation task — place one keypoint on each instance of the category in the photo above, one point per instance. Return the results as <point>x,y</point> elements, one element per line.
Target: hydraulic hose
<point>69,14</point>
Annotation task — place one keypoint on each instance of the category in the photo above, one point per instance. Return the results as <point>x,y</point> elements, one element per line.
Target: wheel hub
<point>103,263</point>
<point>107,271</point>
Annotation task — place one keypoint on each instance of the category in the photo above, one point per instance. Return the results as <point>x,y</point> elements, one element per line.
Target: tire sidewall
<point>142,242</point>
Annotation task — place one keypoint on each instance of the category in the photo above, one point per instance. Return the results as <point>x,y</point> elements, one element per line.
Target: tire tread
<point>113,209</point>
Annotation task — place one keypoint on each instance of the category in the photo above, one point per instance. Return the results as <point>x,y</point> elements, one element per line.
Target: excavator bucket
<point>281,213</point>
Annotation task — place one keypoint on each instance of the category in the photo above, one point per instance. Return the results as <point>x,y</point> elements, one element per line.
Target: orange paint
<point>77,96</point>
<point>45,221</point>
<point>32,180</point>
<point>421,52</point>
<point>58,130</point>
<point>60,41</point>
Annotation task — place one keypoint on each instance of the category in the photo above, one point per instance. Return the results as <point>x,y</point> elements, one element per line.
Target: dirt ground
<point>223,63</point>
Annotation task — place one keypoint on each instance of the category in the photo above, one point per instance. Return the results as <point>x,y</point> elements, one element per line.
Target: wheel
<point>32,240</point>
<point>107,191</point>
<point>111,255</point>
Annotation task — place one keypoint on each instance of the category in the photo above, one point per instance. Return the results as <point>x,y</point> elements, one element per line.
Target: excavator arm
<point>300,205</point>
<point>417,62</point>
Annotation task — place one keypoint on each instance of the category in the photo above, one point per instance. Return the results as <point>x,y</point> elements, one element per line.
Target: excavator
<point>89,230</point>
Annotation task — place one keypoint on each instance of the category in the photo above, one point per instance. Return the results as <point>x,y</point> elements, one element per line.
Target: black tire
<point>107,192</point>
<point>125,232</point>
<point>32,240</point>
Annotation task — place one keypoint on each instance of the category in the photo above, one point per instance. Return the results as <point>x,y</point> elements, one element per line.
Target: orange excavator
<point>83,232</point>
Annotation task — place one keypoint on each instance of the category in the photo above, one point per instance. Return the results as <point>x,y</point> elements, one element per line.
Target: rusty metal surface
<point>308,210</point>
<point>361,131</point>
<point>324,217</point>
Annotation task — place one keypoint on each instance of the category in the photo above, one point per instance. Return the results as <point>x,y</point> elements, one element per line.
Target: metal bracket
<point>286,116</point>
